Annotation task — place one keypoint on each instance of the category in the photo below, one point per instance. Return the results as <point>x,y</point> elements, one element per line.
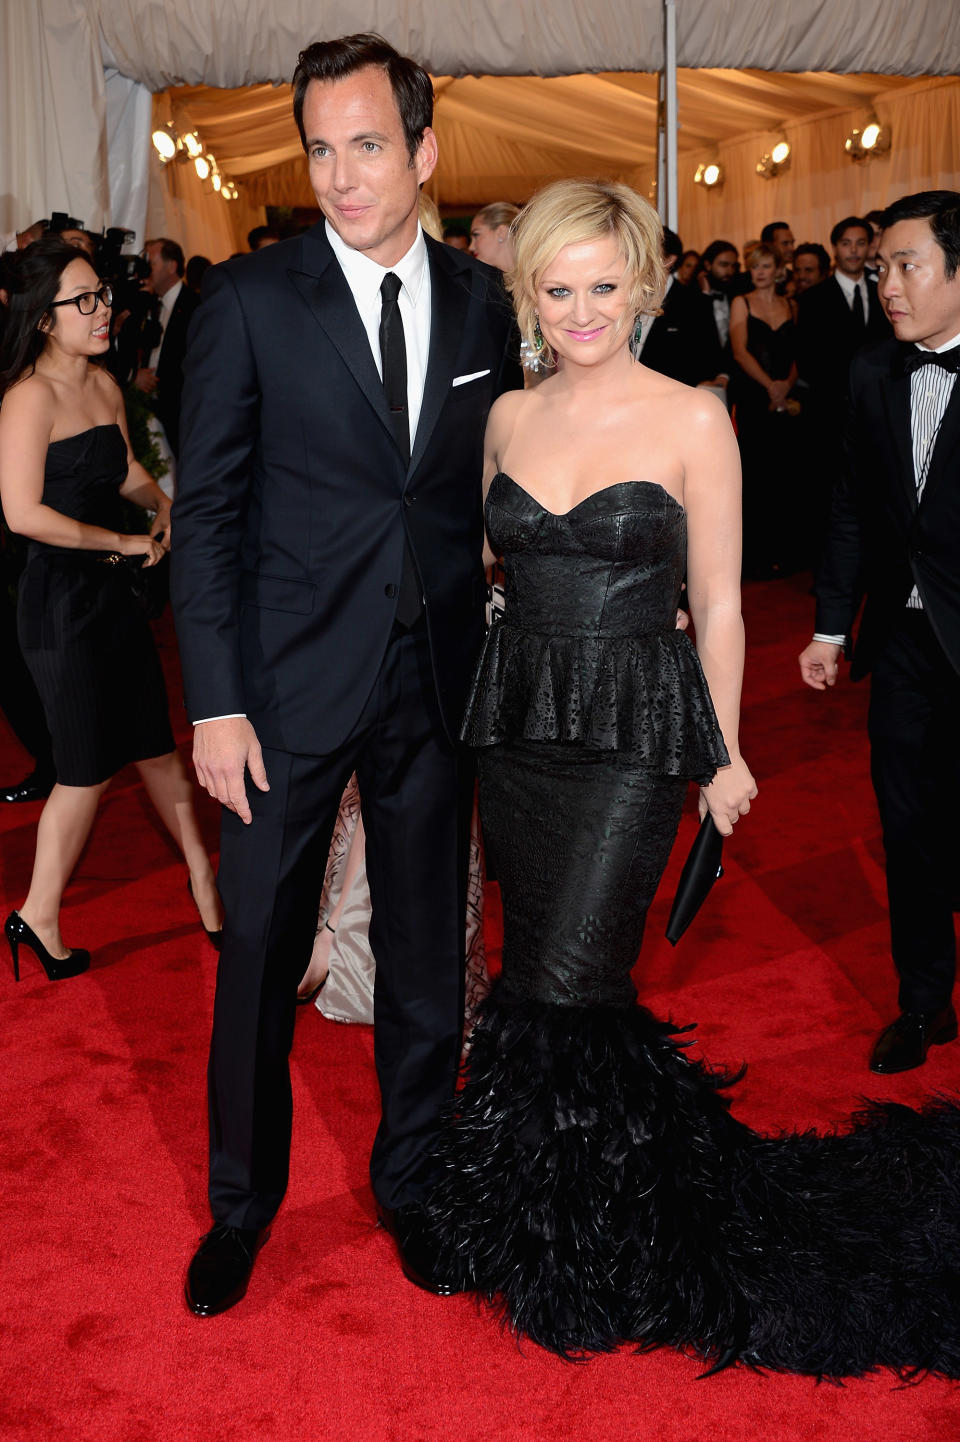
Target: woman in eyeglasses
<point>65,461</point>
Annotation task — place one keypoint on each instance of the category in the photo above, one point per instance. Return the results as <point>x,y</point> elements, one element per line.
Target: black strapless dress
<point>592,1181</point>
<point>83,632</point>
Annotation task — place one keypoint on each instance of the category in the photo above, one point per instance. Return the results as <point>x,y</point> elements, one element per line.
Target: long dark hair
<point>31,279</point>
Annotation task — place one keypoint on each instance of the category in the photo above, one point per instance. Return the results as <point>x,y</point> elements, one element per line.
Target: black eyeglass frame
<point>105,294</point>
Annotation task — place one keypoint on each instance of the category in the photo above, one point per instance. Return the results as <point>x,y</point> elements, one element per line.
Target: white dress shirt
<point>364,277</point>
<point>930,390</point>
<point>849,286</point>
<point>167,301</point>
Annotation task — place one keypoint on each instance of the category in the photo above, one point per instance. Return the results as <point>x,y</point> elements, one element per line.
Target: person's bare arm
<point>26,425</point>
<point>711,497</point>
<point>500,424</point>
<point>140,486</point>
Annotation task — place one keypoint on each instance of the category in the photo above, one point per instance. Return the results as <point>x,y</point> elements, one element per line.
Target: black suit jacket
<point>881,542</point>
<point>828,339</point>
<point>683,341</point>
<point>169,390</point>
<point>293,499</point>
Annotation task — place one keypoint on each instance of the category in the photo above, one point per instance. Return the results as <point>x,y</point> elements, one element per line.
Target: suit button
<point>409,500</point>
<point>390,590</point>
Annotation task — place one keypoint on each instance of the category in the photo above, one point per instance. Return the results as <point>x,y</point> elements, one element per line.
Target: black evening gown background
<point>770,455</point>
<point>592,1180</point>
<point>83,631</point>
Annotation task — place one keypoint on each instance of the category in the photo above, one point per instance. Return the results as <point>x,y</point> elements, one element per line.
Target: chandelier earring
<point>538,340</point>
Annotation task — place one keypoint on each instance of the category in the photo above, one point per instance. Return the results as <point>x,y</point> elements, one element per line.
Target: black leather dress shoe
<point>32,788</point>
<point>218,1275</point>
<point>416,1247</point>
<point>904,1044</point>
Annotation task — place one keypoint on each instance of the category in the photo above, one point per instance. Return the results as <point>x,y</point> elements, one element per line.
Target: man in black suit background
<point>160,374</point>
<point>834,321</point>
<point>894,539</point>
<point>681,341</point>
<point>329,593</point>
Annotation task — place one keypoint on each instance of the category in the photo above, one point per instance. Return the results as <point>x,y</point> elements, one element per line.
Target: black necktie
<point>859,315</point>
<point>948,360</point>
<point>393,359</point>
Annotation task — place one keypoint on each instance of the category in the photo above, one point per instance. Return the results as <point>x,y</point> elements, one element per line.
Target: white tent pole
<point>668,195</point>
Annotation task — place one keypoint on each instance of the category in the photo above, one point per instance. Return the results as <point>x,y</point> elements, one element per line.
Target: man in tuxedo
<point>329,593</point>
<point>894,539</point>
<point>161,372</point>
<point>834,320</point>
<point>682,340</point>
<point>811,266</point>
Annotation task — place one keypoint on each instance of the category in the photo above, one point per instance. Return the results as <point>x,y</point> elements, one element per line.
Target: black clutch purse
<point>701,869</point>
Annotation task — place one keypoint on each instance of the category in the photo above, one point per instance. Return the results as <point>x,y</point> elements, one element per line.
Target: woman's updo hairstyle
<point>575,212</point>
<point>31,279</point>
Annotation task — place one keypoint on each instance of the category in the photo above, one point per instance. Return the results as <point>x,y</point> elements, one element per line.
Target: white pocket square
<point>473,376</point>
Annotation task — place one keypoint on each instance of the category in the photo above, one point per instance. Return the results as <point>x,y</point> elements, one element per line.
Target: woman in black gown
<point>64,460</point>
<point>592,1179</point>
<point>763,338</point>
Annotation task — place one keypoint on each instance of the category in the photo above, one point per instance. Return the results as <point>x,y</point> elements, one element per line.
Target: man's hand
<point>222,751</point>
<point>145,380</point>
<point>818,664</point>
<point>33,232</point>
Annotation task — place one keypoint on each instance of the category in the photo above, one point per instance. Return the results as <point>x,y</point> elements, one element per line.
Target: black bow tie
<point>949,360</point>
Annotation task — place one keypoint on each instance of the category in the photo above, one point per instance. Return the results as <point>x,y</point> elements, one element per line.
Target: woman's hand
<point>152,551</point>
<point>160,530</point>
<point>728,796</point>
<point>778,392</point>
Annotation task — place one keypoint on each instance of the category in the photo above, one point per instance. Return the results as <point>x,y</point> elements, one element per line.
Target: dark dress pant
<point>914,708</point>
<point>416,796</point>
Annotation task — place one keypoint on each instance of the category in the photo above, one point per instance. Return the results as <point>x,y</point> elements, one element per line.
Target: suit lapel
<point>449,303</point>
<point>895,390</point>
<point>324,288</point>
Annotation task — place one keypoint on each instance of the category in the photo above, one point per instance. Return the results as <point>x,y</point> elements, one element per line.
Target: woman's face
<point>762,272</point>
<point>71,331</point>
<point>489,245</point>
<point>585,310</point>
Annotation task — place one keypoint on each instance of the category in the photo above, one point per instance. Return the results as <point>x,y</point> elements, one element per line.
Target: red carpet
<point>104,1140</point>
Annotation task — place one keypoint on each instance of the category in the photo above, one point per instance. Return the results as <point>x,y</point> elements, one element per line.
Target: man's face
<point>81,239</point>
<point>850,252</point>
<point>806,272</point>
<point>360,170</point>
<point>920,302</point>
<point>722,269</point>
<point>783,243</point>
<point>163,273</point>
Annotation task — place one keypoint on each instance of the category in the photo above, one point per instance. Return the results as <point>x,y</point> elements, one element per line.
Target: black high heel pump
<point>58,968</point>
<point>215,938</point>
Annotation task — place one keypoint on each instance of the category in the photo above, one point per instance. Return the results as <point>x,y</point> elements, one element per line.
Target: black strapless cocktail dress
<point>82,629</point>
<point>592,1180</point>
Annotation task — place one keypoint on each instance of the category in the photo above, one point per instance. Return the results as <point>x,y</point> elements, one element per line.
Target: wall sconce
<point>166,142</point>
<point>778,159</point>
<point>709,174</point>
<point>872,139</point>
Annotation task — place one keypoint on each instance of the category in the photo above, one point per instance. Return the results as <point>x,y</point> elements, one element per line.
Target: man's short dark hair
<point>335,59</point>
<point>850,222</point>
<point>769,232</point>
<point>169,250</point>
<point>811,247</point>
<point>259,233</point>
<point>715,248</point>
<point>942,209</point>
<point>672,244</point>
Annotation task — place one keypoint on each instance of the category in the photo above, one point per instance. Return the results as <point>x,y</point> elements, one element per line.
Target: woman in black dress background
<point>64,460</point>
<point>763,338</point>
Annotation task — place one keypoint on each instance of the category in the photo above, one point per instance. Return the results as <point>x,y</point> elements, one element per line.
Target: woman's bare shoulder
<point>30,400</point>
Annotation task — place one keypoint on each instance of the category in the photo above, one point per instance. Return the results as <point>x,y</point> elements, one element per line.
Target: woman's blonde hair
<point>497,213</point>
<point>575,212</point>
<point>757,253</point>
<point>429,216</point>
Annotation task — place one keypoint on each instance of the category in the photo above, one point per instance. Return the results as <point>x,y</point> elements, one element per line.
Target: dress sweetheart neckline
<point>103,426</point>
<point>560,515</point>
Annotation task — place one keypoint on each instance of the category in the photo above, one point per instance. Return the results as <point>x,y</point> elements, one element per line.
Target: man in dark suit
<point>835,320</point>
<point>895,539</point>
<point>682,340</point>
<point>161,371</point>
<point>329,592</point>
